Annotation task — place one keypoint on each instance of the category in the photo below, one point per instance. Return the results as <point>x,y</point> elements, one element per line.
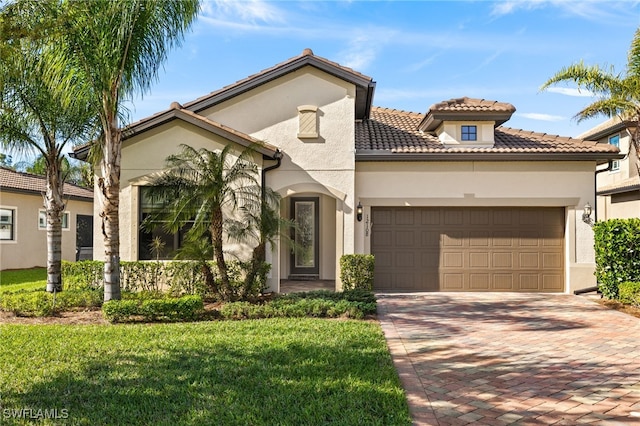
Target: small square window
<point>469,133</point>
<point>42,220</point>
<point>615,141</point>
<point>7,224</point>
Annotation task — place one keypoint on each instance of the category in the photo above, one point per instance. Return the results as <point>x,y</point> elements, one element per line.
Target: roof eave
<point>433,119</point>
<point>220,130</point>
<point>485,156</point>
<point>609,130</point>
<point>621,190</point>
<point>88,198</point>
<point>362,82</point>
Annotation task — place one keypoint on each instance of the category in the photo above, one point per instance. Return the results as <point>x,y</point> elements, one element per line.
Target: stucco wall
<point>475,184</point>
<point>620,206</point>
<point>317,166</point>
<point>29,248</point>
<point>142,156</point>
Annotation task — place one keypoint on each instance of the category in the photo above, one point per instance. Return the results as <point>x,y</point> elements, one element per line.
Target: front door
<point>304,256</point>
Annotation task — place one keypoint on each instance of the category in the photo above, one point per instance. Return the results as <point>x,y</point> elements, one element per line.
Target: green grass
<point>23,279</point>
<point>257,372</point>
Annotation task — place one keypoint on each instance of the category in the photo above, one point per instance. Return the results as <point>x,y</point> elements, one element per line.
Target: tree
<point>111,50</point>
<point>200,187</point>
<point>32,119</point>
<point>618,93</point>
<point>260,224</point>
<point>6,161</point>
<point>73,171</point>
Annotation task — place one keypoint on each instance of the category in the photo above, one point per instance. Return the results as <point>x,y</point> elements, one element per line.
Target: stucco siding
<point>142,157</point>
<point>29,248</point>
<point>482,184</point>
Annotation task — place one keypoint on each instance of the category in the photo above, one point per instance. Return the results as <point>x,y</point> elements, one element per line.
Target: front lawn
<point>258,372</point>
<point>23,279</point>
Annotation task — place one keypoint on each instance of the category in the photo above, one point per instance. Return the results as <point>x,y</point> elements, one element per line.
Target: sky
<point>418,52</point>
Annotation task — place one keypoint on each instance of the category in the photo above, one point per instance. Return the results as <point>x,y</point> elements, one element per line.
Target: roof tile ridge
<point>396,110</point>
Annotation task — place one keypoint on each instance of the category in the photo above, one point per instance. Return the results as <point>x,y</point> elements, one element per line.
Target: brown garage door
<point>468,249</point>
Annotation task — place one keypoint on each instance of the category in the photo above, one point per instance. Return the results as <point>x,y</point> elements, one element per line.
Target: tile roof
<point>625,185</point>
<point>396,132</point>
<point>612,125</point>
<point>307,57</point>
<point>471,104</point>
<point>24,182</point>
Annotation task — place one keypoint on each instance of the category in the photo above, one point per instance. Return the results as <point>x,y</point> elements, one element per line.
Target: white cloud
<point>592,10</point>
<point>581,93</point>
<point>238,12</point>
<point>541,117</point>
<point>507,7</point>
<point>419,65</point>
<point>361,52</point>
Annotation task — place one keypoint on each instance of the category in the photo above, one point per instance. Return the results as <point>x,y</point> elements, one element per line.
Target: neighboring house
<point>23,227</point>
<point>446,201</point>
<point>618,185</point>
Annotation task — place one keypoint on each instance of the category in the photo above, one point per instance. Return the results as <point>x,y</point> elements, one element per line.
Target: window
<point>7,224</point>
<point>307,121</point>
<point>42,220</point>
<point>469,133</point>
<point>615,141</point>
<point>172,242</point>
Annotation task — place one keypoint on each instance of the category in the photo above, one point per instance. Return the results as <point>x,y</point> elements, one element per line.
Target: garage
<point>510,249</point>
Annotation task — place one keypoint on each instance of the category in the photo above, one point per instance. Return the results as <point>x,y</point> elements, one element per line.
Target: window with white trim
<point>7,224</point>
<point>469,133</point>
<point>42,220</point>
<point>615,141</point>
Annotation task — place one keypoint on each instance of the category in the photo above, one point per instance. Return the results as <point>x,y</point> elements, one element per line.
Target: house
<point>449,200</point>
<point>618,184</point>
<point>23,227</point>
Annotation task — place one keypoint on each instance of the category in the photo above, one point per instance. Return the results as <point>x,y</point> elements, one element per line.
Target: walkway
<point>496,359</point>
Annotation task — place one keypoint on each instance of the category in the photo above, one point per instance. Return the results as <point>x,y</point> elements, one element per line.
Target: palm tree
<point>32,119</point>
<point>619,94</point>
<point>202,187</point>
<point>112,50</point>
<point>260,224</point>
<point>74,171</point>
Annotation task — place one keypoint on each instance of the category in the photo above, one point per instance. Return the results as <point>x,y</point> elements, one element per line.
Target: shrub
<point>176,277</point>
<point>82,275</point>
<point>356,271</point>
<point>629,293</point>
<point>617,249</point>
<point>185,308</point>
<point>29,303</point>
<point>41,303</point>
<point>321,304</point>
<point>118,310</point>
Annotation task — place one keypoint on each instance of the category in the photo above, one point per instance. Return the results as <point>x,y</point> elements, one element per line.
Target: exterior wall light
<point>359,212</point>
<point>586,214</point>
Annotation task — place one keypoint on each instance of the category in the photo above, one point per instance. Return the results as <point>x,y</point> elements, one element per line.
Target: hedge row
<point>176,277</point>
<point>351,304</point>
<point>617,249</point>
<point>629,293</point>
<point>185,308</point>
<point>41,303</point>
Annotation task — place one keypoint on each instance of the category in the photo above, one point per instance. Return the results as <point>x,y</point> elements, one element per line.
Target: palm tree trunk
<point>257,259</point>
<point>109,185</point>
<point>54,206</point>
<point>216,236</point>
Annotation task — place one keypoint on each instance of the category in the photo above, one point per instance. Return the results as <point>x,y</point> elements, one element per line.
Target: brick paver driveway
<point>475,358</point>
